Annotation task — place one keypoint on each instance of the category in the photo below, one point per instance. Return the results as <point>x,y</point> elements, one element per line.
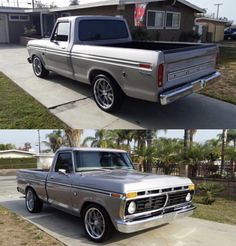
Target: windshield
<point>99,160</point>
<point>94,30</point>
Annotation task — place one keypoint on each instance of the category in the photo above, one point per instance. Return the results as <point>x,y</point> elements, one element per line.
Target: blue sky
<point>19,137</point>
<point>227,10</point>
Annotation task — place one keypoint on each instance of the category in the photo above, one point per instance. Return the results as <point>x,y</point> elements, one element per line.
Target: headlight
<point>188,197</point>
<point>132,208</point>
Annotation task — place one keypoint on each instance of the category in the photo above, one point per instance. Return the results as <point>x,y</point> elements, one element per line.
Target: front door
<point>58,51</point>
<point>3,29</point>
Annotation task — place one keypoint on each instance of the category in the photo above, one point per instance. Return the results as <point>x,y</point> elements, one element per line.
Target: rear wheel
<point>97,224</point>
<point>32,202</point>
<point>38,68</point>
<point>107,94</point>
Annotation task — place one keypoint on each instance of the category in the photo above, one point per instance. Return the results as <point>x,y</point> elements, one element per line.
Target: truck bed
<point>166,47</point>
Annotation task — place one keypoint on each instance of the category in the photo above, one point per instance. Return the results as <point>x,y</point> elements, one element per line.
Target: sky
<point>19,137</point>
<point>226,10</point>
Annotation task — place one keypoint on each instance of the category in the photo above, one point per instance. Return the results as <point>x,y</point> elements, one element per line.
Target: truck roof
<point>90,149</point>
<point>90,17</point>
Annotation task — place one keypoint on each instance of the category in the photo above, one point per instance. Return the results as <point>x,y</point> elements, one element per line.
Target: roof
<point>98,3</point>
<point>207,19</point>
<point>90,149</point>
<point>22,10</point>
<point>17,151</point>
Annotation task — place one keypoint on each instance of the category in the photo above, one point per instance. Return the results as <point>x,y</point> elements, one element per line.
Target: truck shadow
<point>65,227</point>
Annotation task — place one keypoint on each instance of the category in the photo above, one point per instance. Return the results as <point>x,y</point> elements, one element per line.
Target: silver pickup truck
<point>102,187</point>
<point>100,51</point>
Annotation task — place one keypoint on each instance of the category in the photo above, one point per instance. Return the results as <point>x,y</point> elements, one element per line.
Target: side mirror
<point>63,172</point>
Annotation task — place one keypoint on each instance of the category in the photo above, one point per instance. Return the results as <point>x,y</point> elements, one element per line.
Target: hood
<point>123,181</point>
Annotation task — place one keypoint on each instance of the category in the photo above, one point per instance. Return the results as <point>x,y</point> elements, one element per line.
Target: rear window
<point>92,30</point>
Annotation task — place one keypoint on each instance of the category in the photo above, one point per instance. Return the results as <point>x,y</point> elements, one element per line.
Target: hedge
<point>18,163</point>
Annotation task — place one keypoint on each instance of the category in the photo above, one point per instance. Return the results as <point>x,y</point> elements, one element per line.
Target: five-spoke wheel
<point>38,68</point>
<point>32,202</point>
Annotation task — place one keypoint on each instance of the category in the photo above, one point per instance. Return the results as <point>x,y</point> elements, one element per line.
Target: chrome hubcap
<point>104,93</point>
<point>94,223</point>
<point>30,200</point>
<point>37,65</point>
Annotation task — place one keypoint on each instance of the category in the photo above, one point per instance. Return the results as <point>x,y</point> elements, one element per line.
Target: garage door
<point>3,29</point>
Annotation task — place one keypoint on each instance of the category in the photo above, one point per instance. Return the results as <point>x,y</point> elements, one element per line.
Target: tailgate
<point>185,66</point>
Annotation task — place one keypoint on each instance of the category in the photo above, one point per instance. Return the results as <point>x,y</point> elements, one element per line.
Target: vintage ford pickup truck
<point>102,187</point>
<point>100,51</point>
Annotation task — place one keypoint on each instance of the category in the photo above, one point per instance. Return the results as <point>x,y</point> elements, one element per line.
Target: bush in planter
<point>30,31</point>
<point>209,192</point>
<point>140,34</point>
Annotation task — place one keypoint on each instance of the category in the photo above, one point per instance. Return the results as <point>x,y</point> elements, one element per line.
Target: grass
<point>21,111</point>
<point>17,231</point>
<point>223,210</point>
<point>225,88</point>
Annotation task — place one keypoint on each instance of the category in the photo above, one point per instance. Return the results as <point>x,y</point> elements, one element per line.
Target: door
<point>57,53</point>
<point>3,29</point>
<point>59,181</point>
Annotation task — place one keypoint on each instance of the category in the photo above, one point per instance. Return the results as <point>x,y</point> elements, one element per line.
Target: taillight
<point>160,75</point>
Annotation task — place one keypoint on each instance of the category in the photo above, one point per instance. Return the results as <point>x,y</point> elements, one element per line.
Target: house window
<point>173,20</point>
<point>15,17</point>
<point>155,19</point>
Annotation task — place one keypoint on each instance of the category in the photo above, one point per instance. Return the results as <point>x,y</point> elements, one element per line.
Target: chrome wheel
<point>30,200</point>
<point>94,223</point>
<point>103,93</point>
<point>37,66</point>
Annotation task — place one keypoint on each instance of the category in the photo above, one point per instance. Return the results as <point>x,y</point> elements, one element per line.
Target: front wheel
<point>107,94</point>
<point>38,68</point>
<point>97,224</point>
<point>32,202</point>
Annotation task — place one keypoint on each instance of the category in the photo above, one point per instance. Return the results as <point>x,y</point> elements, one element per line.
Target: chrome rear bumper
<point>179,92</point>
<point>133,226</point>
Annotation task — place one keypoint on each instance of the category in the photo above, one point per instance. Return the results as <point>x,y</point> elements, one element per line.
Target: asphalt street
<point>71,101</point>
<point>68,228</point>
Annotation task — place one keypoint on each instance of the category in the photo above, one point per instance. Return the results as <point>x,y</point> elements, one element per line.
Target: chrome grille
<point>177,198</point>
<point>148,203</point>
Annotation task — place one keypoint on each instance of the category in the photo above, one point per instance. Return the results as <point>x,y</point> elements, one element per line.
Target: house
<point>163,19</point>
<point>13,22</point>
<point>14,153</point>
<point>44,160</point>
<point>214,28</point>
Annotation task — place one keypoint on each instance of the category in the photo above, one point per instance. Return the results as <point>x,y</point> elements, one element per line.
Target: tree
<point>56,140</point>
<point>7,146</point>
<point>39,5</point>
<point>74,2</point>
<point>223,145</point>
<point>52,5</point>
<point>73,136</point>
<point>231,137</point>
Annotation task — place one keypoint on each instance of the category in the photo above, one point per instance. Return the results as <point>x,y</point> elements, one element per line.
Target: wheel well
<point>30,187</point>
<point>86,204</point>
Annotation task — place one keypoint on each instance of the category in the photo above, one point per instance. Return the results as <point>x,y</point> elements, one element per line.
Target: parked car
<point>100,51</point>
<point>102,187</point>
<point>230,33</point>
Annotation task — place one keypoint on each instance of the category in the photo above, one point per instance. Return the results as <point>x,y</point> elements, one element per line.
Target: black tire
<point>38,68</point>
<point>32,202</point>
<point>110,97</point>
<point>108,226</point>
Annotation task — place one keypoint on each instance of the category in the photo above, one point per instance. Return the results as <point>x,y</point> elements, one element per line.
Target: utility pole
<point>39,141</point>
<point>32,4</point>
<point>218,9</point>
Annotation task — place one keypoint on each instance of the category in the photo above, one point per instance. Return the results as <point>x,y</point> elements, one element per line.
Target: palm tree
<point>231,137</point>
<point>73,136</point>
<point>56,140</point>
<point>223,145</point>
<point>99,140</point>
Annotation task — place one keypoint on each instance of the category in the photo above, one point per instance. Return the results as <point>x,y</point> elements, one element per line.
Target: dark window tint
<point>64,161</point>
<point>101,159</point>
<point>62,31</point>
<point>92,30</point>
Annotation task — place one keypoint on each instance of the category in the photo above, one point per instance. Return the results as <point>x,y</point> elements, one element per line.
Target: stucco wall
<point>15,155</point>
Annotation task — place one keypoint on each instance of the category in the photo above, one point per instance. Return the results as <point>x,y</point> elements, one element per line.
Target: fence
<point>18,163</point>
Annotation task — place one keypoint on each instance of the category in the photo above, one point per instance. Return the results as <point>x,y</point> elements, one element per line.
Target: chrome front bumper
<point>133,226</point>
<point>179,92</point>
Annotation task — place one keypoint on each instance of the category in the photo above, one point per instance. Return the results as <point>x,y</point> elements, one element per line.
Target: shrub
<point>141,34</point>
<point>209,192</point>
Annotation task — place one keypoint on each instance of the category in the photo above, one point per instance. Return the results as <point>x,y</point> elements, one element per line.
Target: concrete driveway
<point>68,229</point>
<point>72,103</point>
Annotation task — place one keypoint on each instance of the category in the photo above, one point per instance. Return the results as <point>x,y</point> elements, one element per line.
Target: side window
<point>62,32</point>
<point>64,161</point>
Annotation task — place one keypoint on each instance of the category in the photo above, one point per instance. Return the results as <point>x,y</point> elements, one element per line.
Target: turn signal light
<point>191,187</point>
<point>131,195</point>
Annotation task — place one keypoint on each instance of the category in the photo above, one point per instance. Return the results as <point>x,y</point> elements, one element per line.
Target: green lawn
<point>20,111</point>
<point>223,210</point>
<point>225,88</point>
